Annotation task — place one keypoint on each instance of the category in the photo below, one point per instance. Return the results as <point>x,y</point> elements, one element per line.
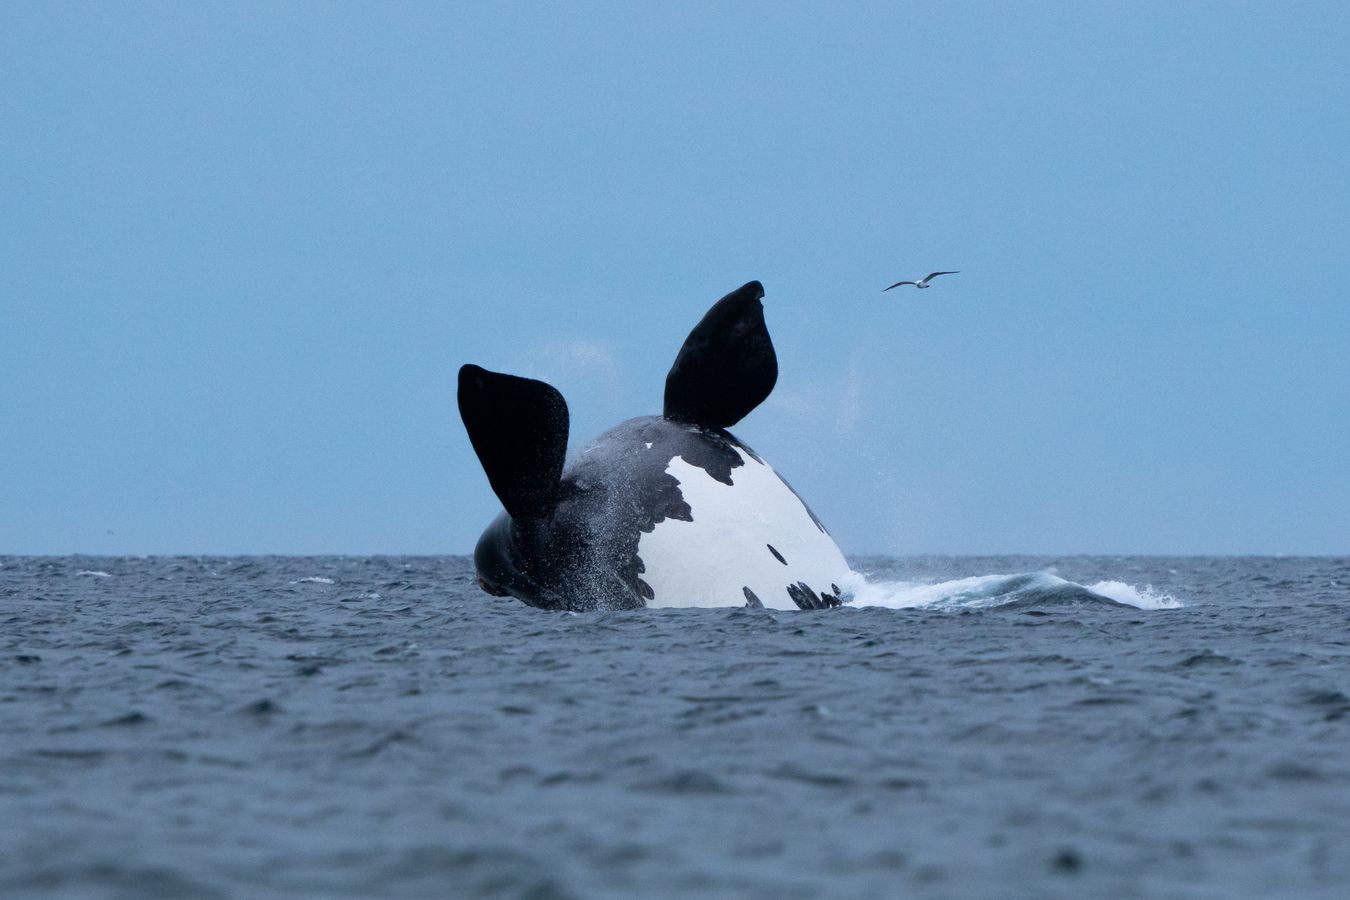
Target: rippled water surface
<point>971,727</point>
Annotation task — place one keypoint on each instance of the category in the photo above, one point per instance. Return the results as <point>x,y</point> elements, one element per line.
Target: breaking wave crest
<point>1029,589</point>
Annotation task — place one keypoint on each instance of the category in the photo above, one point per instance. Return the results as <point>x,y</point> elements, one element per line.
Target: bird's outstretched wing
<point>898,283</point>
<point>933,275</point>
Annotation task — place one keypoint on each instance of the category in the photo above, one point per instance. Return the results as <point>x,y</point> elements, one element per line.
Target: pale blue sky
<point>245,248</point>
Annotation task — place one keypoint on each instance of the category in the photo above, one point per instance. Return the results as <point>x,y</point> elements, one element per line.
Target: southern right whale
<point>660,511</point>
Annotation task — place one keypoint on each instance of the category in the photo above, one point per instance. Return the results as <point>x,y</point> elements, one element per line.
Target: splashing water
<point>1029,589</point>
<point>1143,598</point>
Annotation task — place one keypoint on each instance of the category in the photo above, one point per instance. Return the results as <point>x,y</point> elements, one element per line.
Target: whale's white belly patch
<point>726,548</point>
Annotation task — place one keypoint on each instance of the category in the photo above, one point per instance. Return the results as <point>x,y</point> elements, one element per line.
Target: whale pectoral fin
<point>727,365</point>
<point>518,427</point>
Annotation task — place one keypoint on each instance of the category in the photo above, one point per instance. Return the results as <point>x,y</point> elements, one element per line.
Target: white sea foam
<point>1144,598</point>
<point>313,579</point>
<point>90,573</point>
<point>985,591</point>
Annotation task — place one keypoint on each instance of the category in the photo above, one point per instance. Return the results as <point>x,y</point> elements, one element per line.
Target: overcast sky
<point>245,248</point>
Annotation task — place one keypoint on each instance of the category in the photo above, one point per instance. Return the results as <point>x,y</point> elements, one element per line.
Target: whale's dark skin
<point>616,489</point>
<point>568,538</point>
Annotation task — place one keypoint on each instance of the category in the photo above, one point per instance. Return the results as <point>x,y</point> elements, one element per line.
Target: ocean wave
<point>1023,590</point>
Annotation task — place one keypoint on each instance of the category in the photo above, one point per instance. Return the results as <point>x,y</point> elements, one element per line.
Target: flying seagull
<point>920,284</point>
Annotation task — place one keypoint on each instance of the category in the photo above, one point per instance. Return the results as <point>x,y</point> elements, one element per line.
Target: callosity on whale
<point>668,510</point>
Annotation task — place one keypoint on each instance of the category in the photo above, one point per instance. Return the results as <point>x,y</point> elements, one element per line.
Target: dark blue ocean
<point>262,727</point>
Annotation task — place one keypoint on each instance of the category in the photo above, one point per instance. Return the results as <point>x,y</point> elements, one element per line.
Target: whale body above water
<point>659,511</point>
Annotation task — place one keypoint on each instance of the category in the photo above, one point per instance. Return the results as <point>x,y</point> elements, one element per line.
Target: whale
<point>668,510</point>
